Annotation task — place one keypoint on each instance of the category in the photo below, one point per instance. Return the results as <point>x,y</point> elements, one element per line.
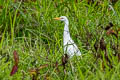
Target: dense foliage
<point>31,44</point>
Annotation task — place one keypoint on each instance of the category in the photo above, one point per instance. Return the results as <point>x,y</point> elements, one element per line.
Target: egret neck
<point>66,34</point>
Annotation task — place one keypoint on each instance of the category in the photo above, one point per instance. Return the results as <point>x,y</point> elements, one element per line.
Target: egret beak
<point>57,18</point>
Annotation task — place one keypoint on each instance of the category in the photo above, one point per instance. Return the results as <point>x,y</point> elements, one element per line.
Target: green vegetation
<point>29,28</point>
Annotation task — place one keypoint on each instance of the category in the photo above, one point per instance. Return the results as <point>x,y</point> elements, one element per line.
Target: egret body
<point>69,46</point>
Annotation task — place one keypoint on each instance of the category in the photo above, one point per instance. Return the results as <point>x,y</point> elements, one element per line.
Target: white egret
<point>69,46</point>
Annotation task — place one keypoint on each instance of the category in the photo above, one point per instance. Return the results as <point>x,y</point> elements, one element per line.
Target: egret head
<point>62,18</point>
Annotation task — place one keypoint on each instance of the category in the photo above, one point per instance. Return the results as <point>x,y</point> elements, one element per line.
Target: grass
<point>28,27</point>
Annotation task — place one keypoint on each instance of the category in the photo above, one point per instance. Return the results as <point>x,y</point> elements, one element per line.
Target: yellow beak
<point>57,18</point>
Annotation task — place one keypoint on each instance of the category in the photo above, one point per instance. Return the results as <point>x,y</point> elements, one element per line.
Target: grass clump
<point>28,28</point>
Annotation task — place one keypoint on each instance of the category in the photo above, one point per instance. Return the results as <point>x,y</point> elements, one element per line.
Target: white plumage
<point>69,46</point>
